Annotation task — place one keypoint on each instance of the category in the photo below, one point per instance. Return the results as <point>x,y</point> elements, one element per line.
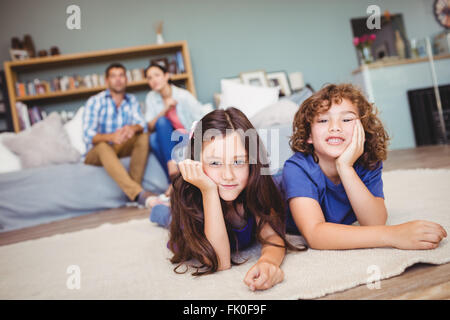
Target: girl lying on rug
<point>221,202</point>
<point>334,178</point>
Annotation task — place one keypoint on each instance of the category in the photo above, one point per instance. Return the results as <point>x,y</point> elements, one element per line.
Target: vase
<point>366,55</point>
<point>399,45</point>
<point>159,38</point>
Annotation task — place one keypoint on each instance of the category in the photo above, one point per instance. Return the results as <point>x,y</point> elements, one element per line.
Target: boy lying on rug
<point>222,203</point>
<point>334,178</point>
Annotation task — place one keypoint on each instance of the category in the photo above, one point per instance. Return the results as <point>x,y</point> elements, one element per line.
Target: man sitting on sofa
<point>114,127</point>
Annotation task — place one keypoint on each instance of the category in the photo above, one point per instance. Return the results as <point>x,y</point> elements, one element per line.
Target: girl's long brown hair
<point>260,198</point>
<point>375,146</point>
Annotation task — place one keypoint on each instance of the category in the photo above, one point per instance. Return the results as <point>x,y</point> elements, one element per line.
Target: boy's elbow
<point>316,245</point>
<point>383,220</point>
<point>382,215</point>
<point>313,240</point>
<point>380,220</point>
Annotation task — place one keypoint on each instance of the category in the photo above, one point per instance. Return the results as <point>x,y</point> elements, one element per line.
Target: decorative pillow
<point>43,144</point>
<point>74,129</point>
<point>281,112</point>
<point>8,160</point>
<point>249,99</point>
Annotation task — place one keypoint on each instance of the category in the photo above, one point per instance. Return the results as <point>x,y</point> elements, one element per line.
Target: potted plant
<point>363,45</point>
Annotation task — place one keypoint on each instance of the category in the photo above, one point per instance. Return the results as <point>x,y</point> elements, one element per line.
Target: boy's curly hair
<point>375,146</point>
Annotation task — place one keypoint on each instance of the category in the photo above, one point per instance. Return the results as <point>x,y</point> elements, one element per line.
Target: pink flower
<point>372,37</point>
<point>364,38</point>
<point>355,41</point>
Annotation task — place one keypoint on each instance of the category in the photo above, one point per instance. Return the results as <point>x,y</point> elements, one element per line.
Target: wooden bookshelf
<point>13,69</point>
<point>93,90</point>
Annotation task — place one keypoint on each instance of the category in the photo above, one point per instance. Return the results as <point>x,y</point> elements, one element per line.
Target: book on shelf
<point>58,84</point>
<point>24,118</point>
<point>35,114</point>
<point>31,90</point>
<point>180,62</point>
<point>20,89</point>
<point>29,116</point>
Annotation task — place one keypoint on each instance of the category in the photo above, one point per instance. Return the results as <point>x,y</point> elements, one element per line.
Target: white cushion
<point>281,112</point>
<point>74,129</point>
<point>249,99</point>
<point>9,161</point>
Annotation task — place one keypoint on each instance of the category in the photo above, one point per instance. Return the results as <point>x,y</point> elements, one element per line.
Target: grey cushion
<point>43,144</point>
<point>40,195</point>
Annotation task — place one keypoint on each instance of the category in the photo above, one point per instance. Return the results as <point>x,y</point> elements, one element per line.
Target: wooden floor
<point>420,281</point>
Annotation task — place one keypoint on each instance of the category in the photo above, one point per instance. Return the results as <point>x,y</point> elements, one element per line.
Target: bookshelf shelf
<point>94,90</point>
<point>14,68</point>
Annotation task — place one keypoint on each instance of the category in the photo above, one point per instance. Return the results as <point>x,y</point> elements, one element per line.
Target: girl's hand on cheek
<point>263,275</point>
<point>355,149</point>
<point>192,172</point>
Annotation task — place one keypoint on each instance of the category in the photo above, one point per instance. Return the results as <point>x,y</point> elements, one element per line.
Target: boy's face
<point>225,162</point>
<point>332,131</point>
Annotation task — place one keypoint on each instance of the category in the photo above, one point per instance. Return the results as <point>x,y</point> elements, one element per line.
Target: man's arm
<point>90,121</point>
<point>119,136</point>
<point>102,137</point>
<point>138,123</point>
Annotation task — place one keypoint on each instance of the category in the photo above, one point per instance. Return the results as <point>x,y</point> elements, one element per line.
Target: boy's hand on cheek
<point>354,150</point>
<point>263,275</point>
<point>192,172</point>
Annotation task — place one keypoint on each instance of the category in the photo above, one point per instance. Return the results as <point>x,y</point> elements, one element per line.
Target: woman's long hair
<point>260,198</point>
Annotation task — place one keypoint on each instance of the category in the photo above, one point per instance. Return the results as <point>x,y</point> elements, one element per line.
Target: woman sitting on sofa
<point>168,108</point>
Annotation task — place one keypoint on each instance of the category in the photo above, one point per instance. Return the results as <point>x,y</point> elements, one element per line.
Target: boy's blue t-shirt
<point>303,177</point>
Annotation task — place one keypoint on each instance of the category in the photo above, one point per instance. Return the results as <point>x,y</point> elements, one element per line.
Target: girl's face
<point>225,162</point>
<point>157,79</point>
<point>332,131</point>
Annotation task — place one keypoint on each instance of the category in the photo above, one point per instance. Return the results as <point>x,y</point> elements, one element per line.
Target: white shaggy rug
<point>130,260</point>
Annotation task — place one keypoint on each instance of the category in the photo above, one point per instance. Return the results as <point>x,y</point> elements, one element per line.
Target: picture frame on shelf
<point>280,79</point>
<point>254,78</point>
<point>172,68</point>
<point>234,79</point>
